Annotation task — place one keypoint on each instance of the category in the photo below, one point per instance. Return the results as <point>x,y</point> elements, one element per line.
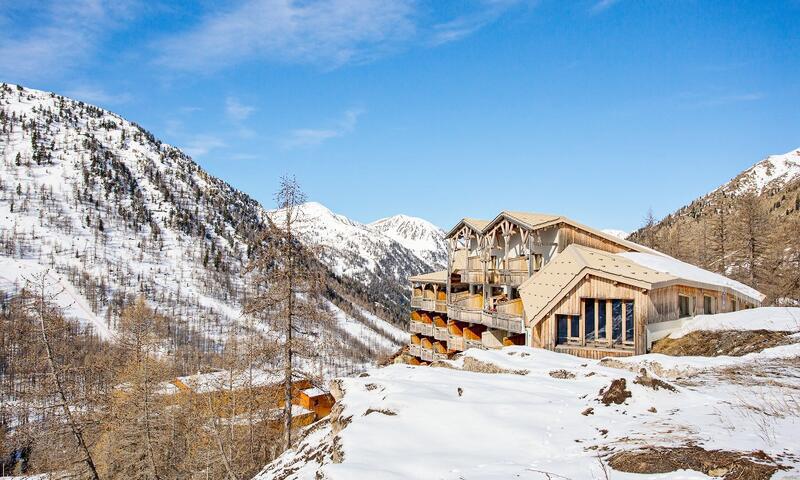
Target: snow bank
<point>673,266</point>
<point>404,422</point>
<point>777,319</point>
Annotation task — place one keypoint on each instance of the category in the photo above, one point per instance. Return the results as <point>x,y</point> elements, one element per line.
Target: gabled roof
<point>433,277</point>
<point>532,220</point>
<point>473,223</point>
<point>541,292</point>
<point>547,287</point>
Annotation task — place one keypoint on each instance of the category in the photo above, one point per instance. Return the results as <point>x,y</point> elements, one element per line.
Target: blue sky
<point>597,109</point>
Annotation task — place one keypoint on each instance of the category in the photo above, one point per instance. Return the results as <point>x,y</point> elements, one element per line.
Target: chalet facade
<point>547,281</point>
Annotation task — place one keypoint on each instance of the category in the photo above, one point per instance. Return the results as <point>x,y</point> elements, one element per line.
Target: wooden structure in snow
<point>548,281</point>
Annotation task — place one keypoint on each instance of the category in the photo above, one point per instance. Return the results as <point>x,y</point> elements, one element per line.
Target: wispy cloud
<point>602,5</point>
<point>64,35</point>
<point>330,33</point>
<point>484,12</point>
<point>199,145</point>
<point>98,96</point>
<point>236,111</point>
<point>309,137</point>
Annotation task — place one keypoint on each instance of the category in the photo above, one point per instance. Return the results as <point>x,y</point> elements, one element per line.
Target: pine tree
<point>751,236</point>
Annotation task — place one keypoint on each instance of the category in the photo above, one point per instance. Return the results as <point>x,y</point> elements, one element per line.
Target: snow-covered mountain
<point>420,236</point>
<point>617,233</point>
<point>771,173</point>
<point>114,213</point>
<point>375,255</point>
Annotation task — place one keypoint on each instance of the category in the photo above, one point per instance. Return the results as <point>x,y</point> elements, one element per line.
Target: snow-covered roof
<point>686,271</point>
<point>314,392</point>
<point>547,287</point>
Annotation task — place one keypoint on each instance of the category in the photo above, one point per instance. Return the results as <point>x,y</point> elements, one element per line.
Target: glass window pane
<point>629,321</point>
<point>616,321</point>
<point>601,319</point>
<point>575,325</point>
<point>588,322</point>
<point>561,321</point>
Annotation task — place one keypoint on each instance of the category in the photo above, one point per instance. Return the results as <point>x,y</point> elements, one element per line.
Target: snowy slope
<point>114,213</point>
<point>420,236</point>
<point>405,422</point>
<point>770,173</point>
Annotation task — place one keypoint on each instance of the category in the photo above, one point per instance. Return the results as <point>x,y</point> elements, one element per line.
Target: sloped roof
<point>541,292</point>
<point>555,279</point>
<point>433,277</point>
<point>473,223</point>
<point>533,220</point>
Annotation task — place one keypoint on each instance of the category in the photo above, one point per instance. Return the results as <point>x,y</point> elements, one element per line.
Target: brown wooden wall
<point>544,334</point>
<point>568,235</point>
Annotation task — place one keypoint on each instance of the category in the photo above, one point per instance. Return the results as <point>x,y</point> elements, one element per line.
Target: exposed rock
<point>562,374</point>
<point>646,380</point>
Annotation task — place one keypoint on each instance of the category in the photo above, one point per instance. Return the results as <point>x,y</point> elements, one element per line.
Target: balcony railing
<point>416,302</point>
<point>473,343</point>
<point>426,354</point>
<point>503,321</point>
<point>455,343</point>
<point>441,306</point>
<point>427,304</point>
<point>440,333</point>
<point>470,315</point>
<point>414,350</point>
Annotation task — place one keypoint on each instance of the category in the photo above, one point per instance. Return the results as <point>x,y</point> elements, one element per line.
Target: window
<point>568,329</point>
<point>562,329</point>
<point>588,327</point>
<point>575,327</point>
<point>683,306</point>
<point>629,321</point>
<point>733,304</point>
<point>708,303</point>
<point>616,321</point>
<point>601,320</point>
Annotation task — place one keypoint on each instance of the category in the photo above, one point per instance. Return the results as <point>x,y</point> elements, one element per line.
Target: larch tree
<point>752,236</point>
<point>289,283</point>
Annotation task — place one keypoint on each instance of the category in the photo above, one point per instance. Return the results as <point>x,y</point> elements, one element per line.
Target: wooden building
<point>548,281</point>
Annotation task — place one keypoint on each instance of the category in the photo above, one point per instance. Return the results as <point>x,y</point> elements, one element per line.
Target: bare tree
<point>42,309</point>
<point>752,236</point>
<point>289,282</point>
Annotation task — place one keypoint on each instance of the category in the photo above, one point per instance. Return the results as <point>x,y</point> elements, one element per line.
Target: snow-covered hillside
<point>772,172</point>
<point>617,233</point>
<point>535,414</point>
<point>420,236</point>
<point>381,255</point>
<point>114,213</point>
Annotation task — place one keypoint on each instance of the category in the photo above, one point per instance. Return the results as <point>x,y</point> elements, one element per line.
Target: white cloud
<point>330,33</point>
<point>236,111</point>
<point>309,137</point>
<point>64,35</point>
<point>487,11</point>
<point>97,96</point>
<point>200,145</point>
<point>603,5</point>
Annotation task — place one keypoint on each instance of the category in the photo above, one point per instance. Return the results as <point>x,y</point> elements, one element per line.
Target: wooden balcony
<point>440,333</point>
<point>441,306</point>
<point>426,355</point>
<point>455,343</point>
<point>503,321</point>
<point>414,350</point>
<point>421,328</point>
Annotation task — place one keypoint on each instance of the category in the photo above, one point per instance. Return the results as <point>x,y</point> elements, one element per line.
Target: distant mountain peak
<point>771,172</point>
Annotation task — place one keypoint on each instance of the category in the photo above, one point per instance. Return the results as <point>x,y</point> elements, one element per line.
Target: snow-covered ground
<point>543,418</point>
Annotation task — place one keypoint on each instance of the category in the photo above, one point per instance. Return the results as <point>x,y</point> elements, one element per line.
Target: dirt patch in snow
<point>384,411</point>
<point>646,380</point>
<point>473,365</point>
<point>716,463</point>
<point>704,343</point>
<point>562,374</point>
<point>616,393</point>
